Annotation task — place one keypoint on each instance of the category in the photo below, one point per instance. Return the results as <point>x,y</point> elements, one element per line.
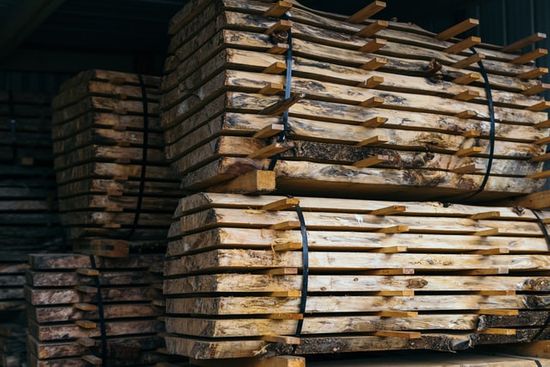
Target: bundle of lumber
<point>116,190</point>
<point>28,217</point>
<point>66,295</point>
<point>263,96</point>
<point>371,275</point>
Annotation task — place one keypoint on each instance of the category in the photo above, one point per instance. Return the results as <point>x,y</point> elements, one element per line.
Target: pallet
<point>109,205</point>
<point>366,115</point>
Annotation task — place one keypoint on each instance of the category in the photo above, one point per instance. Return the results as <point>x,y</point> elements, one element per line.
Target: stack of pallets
<point>64,306</point>
<point>275,98</point>
<point>116,190</point>
<point>371,107</point>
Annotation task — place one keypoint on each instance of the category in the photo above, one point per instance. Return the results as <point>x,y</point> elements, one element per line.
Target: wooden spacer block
<point>492,251</point>
<point>486,232</point>
<point>463,45</point>
<point>282,204</point>
<point>533,74</point>
<point>467,78</point>
<point>282,25</point>
<point>290,246</point>
<point>466,152</point>
<point>369,162</point>
<point>498,331</point>
<point>539,175</point>
<point>472,134</point>
<point>394,229</point>
<point>373,28</point>
<point>396,293</point>
<point>485,215</point>
<point>281,271</point>
<point>375,122</point>
<point>398,314</point>
<point>541,158</point>
<point>541,106</point>
<point>286,225</point>
<point>283,105</point>
<point>466,95</point>
<point>372,102</point>
<point>468,169</point>
<point>270,151</point>
<point>289,340</point>
<point>285,316</point>
<point>536,89</point>
<point>93,360</point>
<point>286,294</point>
<point>88,272</point>
<point>391,249</point>
<point>278,67</point>
<point>278,49</point>
<point>272,89</point>
<point>278,9</point>
<point>372,82</point>
<point>373,45</point>
<point>86,289</point>
<point>367,12</point>
<point>269,131</point>
<point>389,210</point>
<point>398,334</point>
<point>496,292</point>
<point>86,342</point>
<point>497,312</point>
<point>373,140</point>
<point>492,271</point>
<point>466,114</point>
<point>524,42</point>
<point>86,324</point>
<point>473,59</point>
<point>457,29</point>
<point>399,271</point>
<point>543,124</point>
<point>530,56</point>
<point>86,307</point>
<point>374,63</point>
<point>251,182</point>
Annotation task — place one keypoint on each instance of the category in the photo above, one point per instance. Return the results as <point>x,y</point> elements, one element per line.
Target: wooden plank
<point>367,12</point>
<point>457,29</point>
<point>524,42</point>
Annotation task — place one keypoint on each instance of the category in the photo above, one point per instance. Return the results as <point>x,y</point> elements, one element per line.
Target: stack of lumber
<point>373,106</point>
<point>382,276</point>
<point>116,190</point>
<point>28,217</point>
<point>64,308</point>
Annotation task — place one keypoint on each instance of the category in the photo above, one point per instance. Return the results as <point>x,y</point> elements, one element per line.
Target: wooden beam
<point>278,49</point>
<point>498,331</point>
<point>397,314</point>
<point>269,131</point>
<point>277,67</point>
<point>466,114</point>
<point>270,151</point>
<point>278,9</point>
<point>390,210</point>
<point>373,28</point>
<point>396,293</point>
<point>485,215</point>
<point>282,106</point>
<point>394,229</point>
<point>538,107</point>
<point>375,122</point>
<point>282,25</point>
<point>530,56</point>
<point>280,339</point>
<point>374,140</point>
<point>282,204</point>
<point>532,74</point>
<point>375,63</point>
<point>25,17</point>
<point>536,89</point>
<point>466,152</point>
<point>467,95</point>
<point>367,12</point>
<point>524,42</point>
<point>539,175</point>
<point>468,169</point>
<point>467,78</point>
<point>369,162</point>
<point>255,181</point>
<point>372,82</point>
<point>373,45</point>
<point>457,29</point>
<point>475,58</point>
<point>463,45</point>
<point>537,200</point>
<point>497,312</point>
<point>372,102</point>
<point>272,89</point>
<point>541,158</point>
<point>543,124</point>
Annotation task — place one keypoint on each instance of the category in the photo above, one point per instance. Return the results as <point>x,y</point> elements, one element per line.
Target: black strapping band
<point>305,269</point>
<point>544,231</point>
<point>145,103</point>
<point>492,133</point>
<point>101,316</point>
<point>288,92</point>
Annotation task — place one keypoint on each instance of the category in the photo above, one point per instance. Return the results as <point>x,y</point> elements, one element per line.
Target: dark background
<point>66,36</point>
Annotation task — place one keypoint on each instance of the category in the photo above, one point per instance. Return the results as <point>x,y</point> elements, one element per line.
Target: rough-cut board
<point>399,112</point>
<point>382,275</point>
<point>116,190</point>
<point>63,316</point>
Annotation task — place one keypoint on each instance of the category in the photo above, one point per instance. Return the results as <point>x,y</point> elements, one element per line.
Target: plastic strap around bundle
<point>145,103</point>
<point>544,231</point>
<point>101,316</point>
<point>305,269</point>
<point>288,92</point>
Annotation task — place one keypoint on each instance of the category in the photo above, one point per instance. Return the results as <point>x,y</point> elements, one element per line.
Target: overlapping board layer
<point>116,190</point>
<point>64,328</point>
<point>367,115</point>
<point>383,275</point>
<point>28,215</point>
